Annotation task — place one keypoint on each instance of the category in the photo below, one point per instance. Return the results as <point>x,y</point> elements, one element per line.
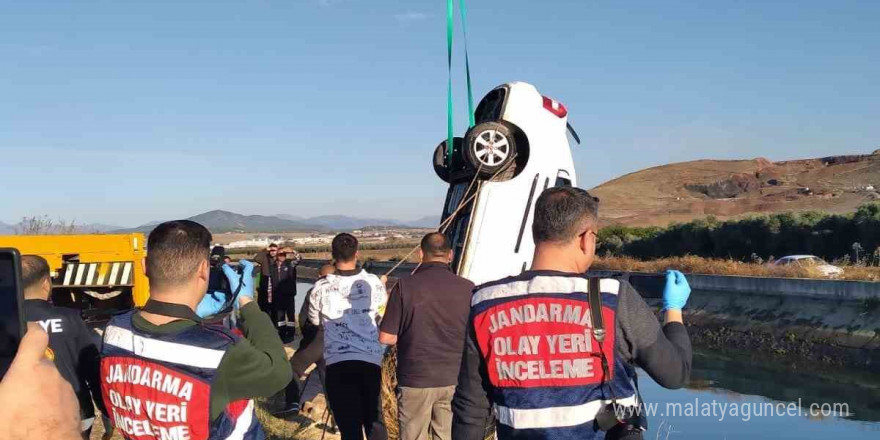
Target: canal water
<point>733,397</point>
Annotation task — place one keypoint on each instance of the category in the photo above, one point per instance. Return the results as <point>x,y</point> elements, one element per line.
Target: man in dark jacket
<point>264,259</point>
<point>76,352</point>
<point>282,284</point>
<point>553,351</point>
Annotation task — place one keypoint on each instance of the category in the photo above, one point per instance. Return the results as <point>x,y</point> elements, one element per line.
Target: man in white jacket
<point>348,305</point>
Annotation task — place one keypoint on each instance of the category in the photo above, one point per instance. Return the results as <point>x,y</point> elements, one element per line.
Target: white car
<point>811,261</point>
<point>518,148</point>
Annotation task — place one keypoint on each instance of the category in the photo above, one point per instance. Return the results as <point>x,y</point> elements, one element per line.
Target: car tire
<point>441,167</point>
<point>489,147</point>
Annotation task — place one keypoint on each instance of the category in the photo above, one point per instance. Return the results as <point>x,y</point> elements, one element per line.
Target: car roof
<point>800,257</point>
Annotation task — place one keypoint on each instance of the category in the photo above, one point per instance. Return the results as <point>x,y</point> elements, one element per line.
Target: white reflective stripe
<point>80,270</point>
<point>68,274</point>
<point>555,417</point>
<point>243,422</point>
<point>91,276</point>
<point>113,272</point>
<point>542,284</point>
<point>126,271</point>
<point>164,351</point>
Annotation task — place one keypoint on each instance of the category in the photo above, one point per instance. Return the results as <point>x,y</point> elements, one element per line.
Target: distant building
<point>254,242</point>
<point>321,239</point>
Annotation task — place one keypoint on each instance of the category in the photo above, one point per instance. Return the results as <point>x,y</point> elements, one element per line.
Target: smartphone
<point>12,325</point>
<point>648,285</point>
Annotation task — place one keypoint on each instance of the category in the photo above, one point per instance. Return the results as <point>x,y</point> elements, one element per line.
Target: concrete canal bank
<point>808,324</point>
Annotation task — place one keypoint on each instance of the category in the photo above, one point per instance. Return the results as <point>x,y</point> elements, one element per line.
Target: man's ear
<point>584,243</point>
<point>204,271</point>
<point>421,255</point>
<point>450,256</point>
<point>46,285</point>
<point>144,265</point>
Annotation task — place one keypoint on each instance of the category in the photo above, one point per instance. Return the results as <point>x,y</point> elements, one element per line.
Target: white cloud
<point>409,17</point>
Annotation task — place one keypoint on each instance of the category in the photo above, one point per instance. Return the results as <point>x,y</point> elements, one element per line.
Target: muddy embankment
<point>807,325</point>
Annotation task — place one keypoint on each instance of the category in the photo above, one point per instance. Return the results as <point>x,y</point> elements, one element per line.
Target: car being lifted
<point>518,148</point>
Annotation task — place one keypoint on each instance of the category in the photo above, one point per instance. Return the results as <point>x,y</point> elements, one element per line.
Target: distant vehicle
<point>100,274</point>
<point>811,261</point>
<point>518,148</point>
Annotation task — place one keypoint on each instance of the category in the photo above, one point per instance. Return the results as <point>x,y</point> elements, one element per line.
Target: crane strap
<point>450,30</point>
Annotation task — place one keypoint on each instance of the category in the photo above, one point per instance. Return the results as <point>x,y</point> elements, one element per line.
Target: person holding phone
<point>76,350</point>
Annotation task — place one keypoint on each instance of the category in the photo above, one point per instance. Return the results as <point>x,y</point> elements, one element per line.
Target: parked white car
<point>518,148</point>
<point>811,261</point>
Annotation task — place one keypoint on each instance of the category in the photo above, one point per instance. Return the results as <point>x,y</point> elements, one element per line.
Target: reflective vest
<point>535,334</point>
<point>159,386</point>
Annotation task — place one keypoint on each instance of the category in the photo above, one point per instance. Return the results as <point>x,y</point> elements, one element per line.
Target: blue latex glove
<point>246,278</point>
<point>213,302</point>
<point>677,290</point>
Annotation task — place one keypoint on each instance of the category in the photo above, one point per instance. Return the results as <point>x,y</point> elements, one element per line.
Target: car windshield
<point>457,231</point>
<point>813,261</point>
<point>491,107</point>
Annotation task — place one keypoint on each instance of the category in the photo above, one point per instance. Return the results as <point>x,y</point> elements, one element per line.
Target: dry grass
<point>709,266</point>
<point>389,393</point>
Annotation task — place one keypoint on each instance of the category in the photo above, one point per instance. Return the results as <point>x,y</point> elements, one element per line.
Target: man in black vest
<point>75,346</point>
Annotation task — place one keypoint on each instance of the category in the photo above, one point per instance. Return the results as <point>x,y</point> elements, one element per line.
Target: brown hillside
<point>730,188</point>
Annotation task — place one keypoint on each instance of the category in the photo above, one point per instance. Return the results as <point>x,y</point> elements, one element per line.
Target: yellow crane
<point>99,273</point>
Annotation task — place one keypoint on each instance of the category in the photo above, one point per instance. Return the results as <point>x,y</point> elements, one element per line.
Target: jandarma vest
<point>159,386</point>
<point>535,333</point>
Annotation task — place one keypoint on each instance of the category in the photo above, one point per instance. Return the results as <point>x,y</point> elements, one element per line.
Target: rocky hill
<point>224,221</point>
<point>732,188</point>
<point>219,221</point>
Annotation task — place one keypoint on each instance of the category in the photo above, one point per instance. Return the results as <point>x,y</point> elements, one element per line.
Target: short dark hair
<point>562,213</point>
<point>435,244</point>
<point>34,269</point>
<point>174,251</point>
<point>273,245</point>
<point>344,247</point>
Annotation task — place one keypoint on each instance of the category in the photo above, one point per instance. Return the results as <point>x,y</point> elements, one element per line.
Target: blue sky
<point>127,112</point>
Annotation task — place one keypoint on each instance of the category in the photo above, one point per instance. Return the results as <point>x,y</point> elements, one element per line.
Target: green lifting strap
<point>450,131</point>
<point>467,63</point>
<point>450,28</point>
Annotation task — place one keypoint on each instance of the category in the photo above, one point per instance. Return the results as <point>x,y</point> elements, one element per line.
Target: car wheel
<point>441,167</point>
<point>489,147</point>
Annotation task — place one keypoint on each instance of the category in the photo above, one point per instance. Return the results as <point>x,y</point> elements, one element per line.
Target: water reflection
<point>729,398</point>
<point>860,391</point>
